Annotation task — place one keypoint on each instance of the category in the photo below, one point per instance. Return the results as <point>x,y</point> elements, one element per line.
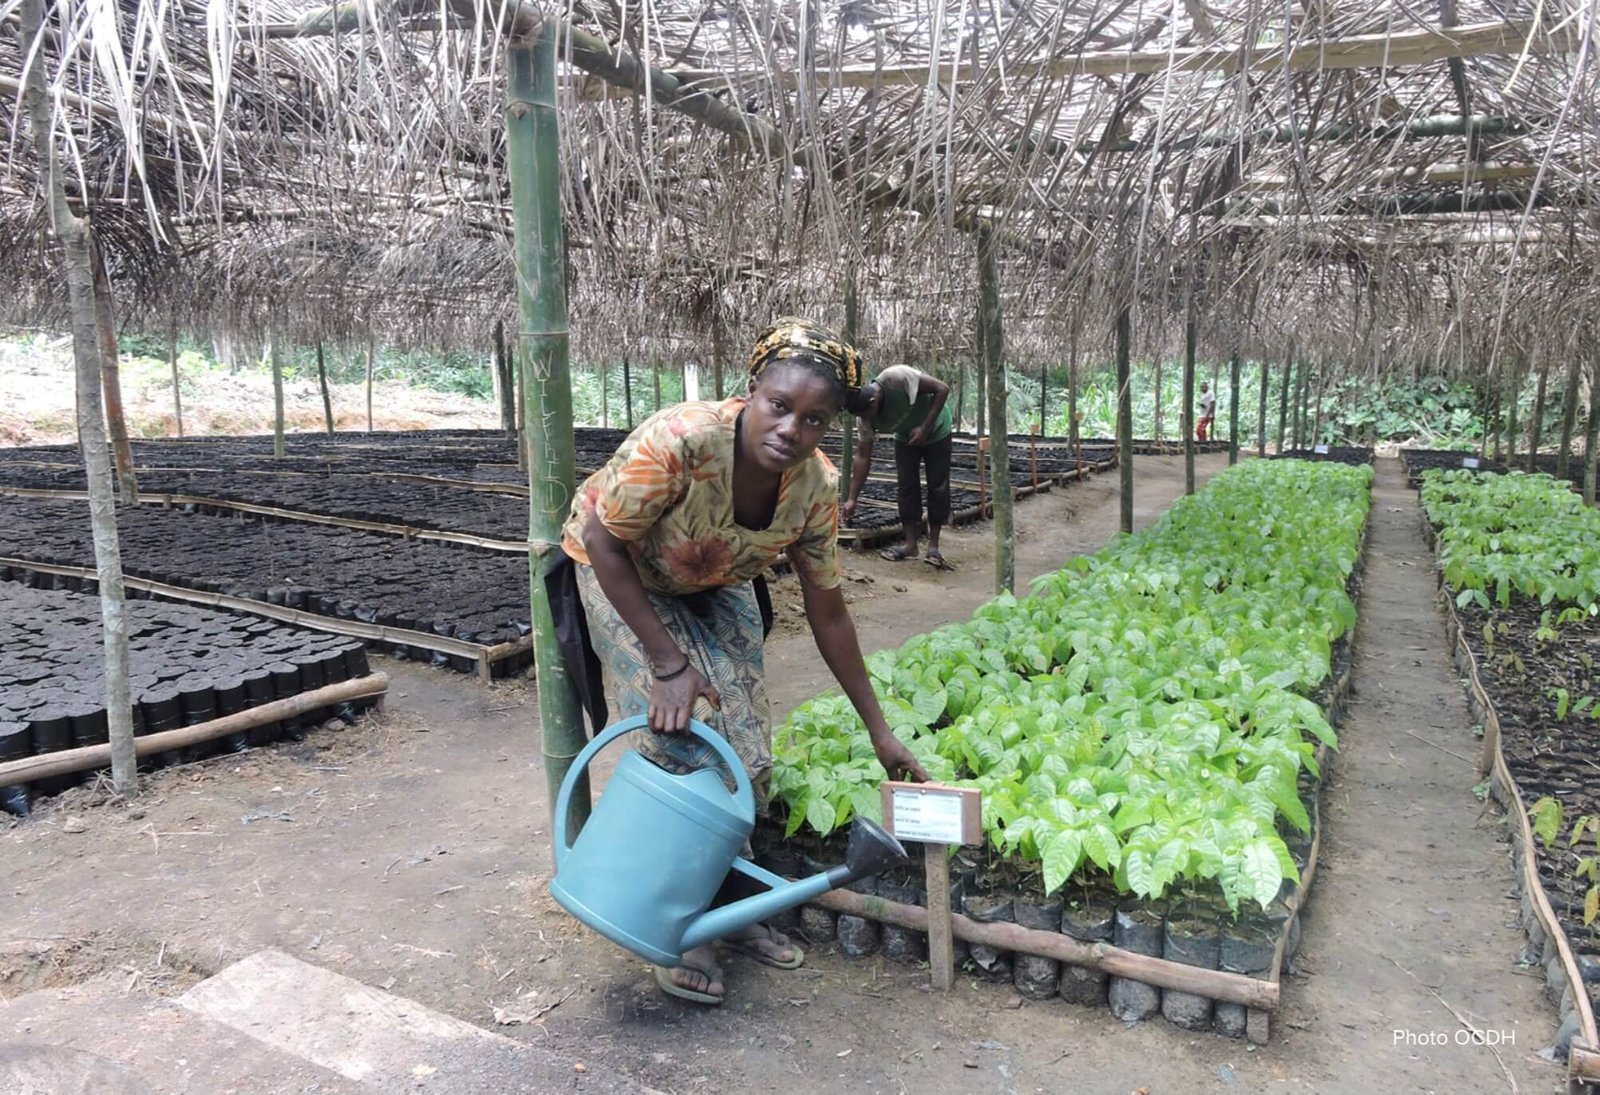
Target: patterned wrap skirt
<point>721,632</point>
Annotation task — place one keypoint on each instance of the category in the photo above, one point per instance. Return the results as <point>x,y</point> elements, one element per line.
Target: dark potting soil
<point>480,597</point>
<point>186,665</point>
<point>1547,755</point>
<point>1336,454</point>
<point>1417,461</point>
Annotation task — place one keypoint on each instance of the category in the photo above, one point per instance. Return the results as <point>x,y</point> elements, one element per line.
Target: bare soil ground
<point>412,852</point>
<point>36,401</point>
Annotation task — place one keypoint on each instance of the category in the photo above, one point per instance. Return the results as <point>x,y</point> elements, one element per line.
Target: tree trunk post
<point>539,246</point>
<point>322,382</point>
<point>1569,418</point>
<point>1160,424</point>
<point>1074,441</point>
<point>1005,577</point>
<point>982,378</point>
<point>372,353</point>
<point>111,373</point>
<point>1536,423</point>
<point>1285,375</point>
<point>1315,437</point>
<point>961,394</point>
<point>276,357</point>
<point>88,358</point>
<point>847,453</point>
<point>506,382</point>
<point>1124,338</point>
<point>1261,409</point>
<point>655,377</point>
<point>172,356</point>
<point>718,349</point>
<point>1186,414</point>
<point>1514,397</point>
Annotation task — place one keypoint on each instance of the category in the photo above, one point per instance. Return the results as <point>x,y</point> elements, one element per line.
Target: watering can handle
<point>580,764</point>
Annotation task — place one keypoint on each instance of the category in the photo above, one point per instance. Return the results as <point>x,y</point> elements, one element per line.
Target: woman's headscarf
<point>790,336</point>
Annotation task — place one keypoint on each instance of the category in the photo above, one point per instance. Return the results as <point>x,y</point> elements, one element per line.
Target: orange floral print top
<point>668,493</point>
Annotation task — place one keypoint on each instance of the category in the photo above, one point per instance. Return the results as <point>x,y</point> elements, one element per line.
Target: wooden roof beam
<point>1414,47</point>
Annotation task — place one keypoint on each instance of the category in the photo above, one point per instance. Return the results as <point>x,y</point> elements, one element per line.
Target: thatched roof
<point>1380,184</point>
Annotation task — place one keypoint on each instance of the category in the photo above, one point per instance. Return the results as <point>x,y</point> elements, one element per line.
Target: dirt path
<point>413,855</point>
<point>1411,913</point>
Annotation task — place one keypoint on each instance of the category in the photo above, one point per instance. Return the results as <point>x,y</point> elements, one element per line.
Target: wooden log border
<point>485,657</point>
<point>1583,1062</point>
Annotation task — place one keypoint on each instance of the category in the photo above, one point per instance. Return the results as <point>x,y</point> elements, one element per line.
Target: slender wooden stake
<point>982,378</point>
<point>505,385</point>
<point>1190,337</point>
<point>73,233</point>
<point>605,396</point>
<point>1591,435</point>
<point>172,356</point>
<point>1005,564</point>
<point>533,160</point>
<point>277,396</point>
<point>111,375</point>
<point>322,382</point>
<point>1044,393</point>
<point>627,392</point>
<point>372,352</point>
<point>1315,438</point>
<point>847,459</point>
<point>1124,337</point>
<point>961,394</point>
<point>941,929</point>
<point>1536,423</point>
<point>1233,409</point>
<point>1569,417</point>
<point>1261,410</point>
<point>1286,375</point>
<point>1302,382</point>
<point>655,377</point>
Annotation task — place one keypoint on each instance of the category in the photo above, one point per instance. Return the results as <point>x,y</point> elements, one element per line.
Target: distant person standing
<point>914,407</point>
<point>1208,411</point>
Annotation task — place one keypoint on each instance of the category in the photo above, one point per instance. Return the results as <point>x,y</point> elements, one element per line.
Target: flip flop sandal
<point>672,988</point>
<point>936,560</point>
<point>751,949</point>
<point>896,554</point>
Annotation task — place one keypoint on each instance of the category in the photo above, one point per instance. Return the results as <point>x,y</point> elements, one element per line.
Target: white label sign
<point>1321,450</point>
<point>1469,462</point>
<point>927,816</point>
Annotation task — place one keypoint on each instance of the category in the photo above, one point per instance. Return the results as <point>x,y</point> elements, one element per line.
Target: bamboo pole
<point>73,233</point>
<point>534,166</point>
<point>371,353</point>
<point>322,382</point>
<point>111,374</point>
<point>276,361</point>
<point>627,393</point>
<point>1235,988</point>
<point>87,757</point>
<point>1186,417</point>
<point>1233,409</point>
<point>1591,435</point>
<point>172,356</point>
<point>1569,416</point>
<point>1124,337</point>
<point>1005,566</point>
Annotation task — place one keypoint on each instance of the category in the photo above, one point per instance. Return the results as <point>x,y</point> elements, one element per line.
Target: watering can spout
<point>871,850</point>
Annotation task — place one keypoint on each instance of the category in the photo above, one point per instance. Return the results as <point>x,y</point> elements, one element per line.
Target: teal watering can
<point>654,853</point>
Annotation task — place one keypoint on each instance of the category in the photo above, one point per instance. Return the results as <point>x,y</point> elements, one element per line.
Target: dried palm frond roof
<point>340,170</point>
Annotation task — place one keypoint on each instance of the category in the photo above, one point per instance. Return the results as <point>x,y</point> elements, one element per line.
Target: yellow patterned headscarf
<point>791,336</point>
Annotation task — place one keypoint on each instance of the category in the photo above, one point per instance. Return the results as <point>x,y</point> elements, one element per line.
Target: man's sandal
<point>753,945</point>
<point>896,554</point>
<point>672,988</point>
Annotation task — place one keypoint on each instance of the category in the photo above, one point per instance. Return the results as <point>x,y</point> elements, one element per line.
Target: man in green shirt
<point>911,405</point>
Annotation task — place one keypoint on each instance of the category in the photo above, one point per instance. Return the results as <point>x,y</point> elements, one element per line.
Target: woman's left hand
<point>897,759</point>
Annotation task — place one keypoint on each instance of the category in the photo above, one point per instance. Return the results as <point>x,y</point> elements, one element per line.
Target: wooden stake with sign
<point>938,816</point>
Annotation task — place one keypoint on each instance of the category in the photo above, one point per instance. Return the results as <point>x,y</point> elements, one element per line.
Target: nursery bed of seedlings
<point>187,665</point>
<point>1147,729</point>
<point>465,609</point>
<point>1519,560</point>
<point>1336,454</point>
<point>1417,461</point>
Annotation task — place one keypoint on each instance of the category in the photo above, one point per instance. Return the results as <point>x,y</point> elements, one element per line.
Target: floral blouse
<point>668,493</point>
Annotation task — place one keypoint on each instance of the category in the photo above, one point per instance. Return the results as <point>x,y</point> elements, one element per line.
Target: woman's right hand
<point>672,702</point>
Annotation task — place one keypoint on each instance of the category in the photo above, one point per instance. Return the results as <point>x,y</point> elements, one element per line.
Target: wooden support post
<point>627,392</point>
<point>111,377</point>
<point>322,382</point>
<point>983,494</point>
<point>1591,435</point>
<point>1033,456</point>
<point>276,361</point>
<point>371,353</point>
<point>1190,337</point>
<point>1005,567</point>
<point>1233,409</point>
<point>1286,374</point>
<point>847,451</point>
<point>172,356</point>
<point>1536,422</point>
<point>941,931</point>
<point>1160,422</point>
<point>1261,411</point>
<point>1124,338</point>
<point>1569,418</point>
